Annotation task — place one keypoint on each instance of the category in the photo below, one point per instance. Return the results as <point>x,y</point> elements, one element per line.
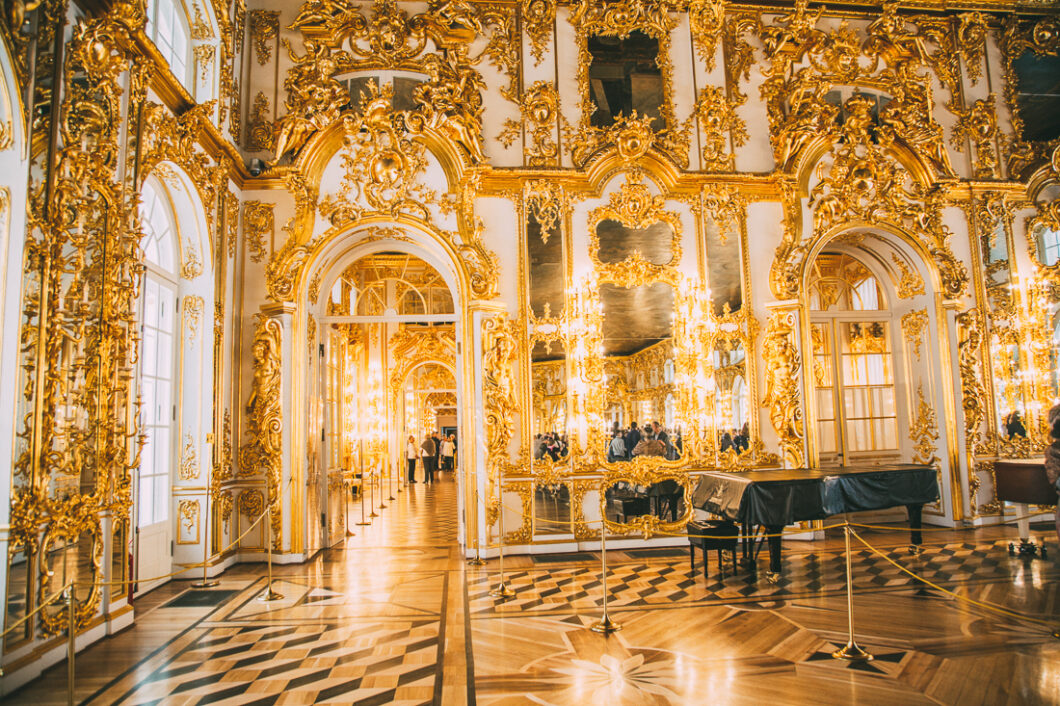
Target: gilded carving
<point>913,325</point>
<point>189,461</point>
<point>706,18</point>
<point>924,431</point>
<point>910,283</point>
<point>193,308</point>
<point>635,206</point>
<point>1041,37</point>
<point>978,125</point>
<point>200,28</point>
<point>188,522</point>
<point>314,98</point>
<point>260,130</point>
<point>783,365</point>
<point>7,136</point>
<point>251,504</point>
<point>718,122</point>
<point>540,112</point>
<point>204,56</point>
<point>498,397</point>
<point>263,451</point>
<point>259,228</point>
<point>264,28</point>
<point>973,392</point>
<point>539,18</point>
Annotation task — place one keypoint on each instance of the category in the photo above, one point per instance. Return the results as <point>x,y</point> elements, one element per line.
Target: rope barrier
<point>47,602</point>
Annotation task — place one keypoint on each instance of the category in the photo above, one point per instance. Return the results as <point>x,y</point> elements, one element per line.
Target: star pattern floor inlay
<point>394,615</point>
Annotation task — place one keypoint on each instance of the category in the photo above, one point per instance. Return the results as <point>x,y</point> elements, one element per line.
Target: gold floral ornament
<point>782,400</point>
<point>7,136</point>
<point>913,325</point>
<point>540,112</point>
<point>251,503</point>
<point>382,165</point>
<point>259,227</point>
<point>539,18</point>
<point>706,18</point>
<point>718,121</point>
<point>924,431</point>
<point>263,452</point>
<point>260,130</point>
<point>978,125</point>
<point>973,393</point>
<point>264,27</point>
<point>498,396</point>
<point>910,283</point>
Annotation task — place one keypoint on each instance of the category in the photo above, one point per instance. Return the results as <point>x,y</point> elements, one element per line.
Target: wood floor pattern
<point>395,616</point>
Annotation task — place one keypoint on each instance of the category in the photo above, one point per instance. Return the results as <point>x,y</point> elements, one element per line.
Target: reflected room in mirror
<point>552,512</point>
<point>640,398</point>
<point>624,77</point>
<point>624,501</point>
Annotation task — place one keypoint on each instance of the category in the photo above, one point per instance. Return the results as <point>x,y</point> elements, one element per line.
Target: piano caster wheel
<point>1011,549</point>
<point>772,577</point>
<point>916,549</point>
<point>1027,549</point>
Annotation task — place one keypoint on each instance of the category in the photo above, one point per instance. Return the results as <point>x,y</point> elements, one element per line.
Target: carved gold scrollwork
<point>783,366</point>
<point>259,228</point>
<point>913,325</point>
<point>264,26</point>
<point>978,126</point>
<point>539,18</point>
<point>498,396</point>
<point>635,206</point>
<point>540,112</point>
<point>924,431</point>
<point>973,392</point>
<point>717,121</point>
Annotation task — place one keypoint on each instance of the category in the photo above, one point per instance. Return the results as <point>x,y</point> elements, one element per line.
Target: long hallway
<point>396,616</point>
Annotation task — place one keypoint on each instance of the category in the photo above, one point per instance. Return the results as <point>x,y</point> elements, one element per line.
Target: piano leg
<point>1026,546</point>
<point>774,552</point>
<point>915,523</point>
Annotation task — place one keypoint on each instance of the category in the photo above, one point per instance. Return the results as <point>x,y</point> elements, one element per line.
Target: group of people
<point>651,440</point>
<point>550,444</point>
<point>738,441</point>
<point>437,453</point>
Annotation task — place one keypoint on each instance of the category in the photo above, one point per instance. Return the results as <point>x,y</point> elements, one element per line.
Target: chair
<point>712,534</point>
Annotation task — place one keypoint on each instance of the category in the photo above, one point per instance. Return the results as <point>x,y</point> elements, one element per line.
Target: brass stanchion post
<point>477,561</point>
<point>390,483</point>
<point>71,644</point>
<point>382,505</point>
<point>346,502</point>
<point>605,626</point>
<point>206,582</point>
<point>371,500</point>
<point>270,595</point>
<point>361,457</point>
<point>851,651</point>
<point>503,590</point>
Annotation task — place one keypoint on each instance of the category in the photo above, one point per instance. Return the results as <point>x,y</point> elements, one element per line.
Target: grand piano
<point>1024,483</point>
<point>774,498</point>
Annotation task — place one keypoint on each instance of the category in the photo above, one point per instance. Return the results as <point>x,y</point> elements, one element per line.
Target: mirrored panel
<point>662,502</point>
<point>552,509</point>
<point>732,403</point>
<point>624,76</point>
<point>724,269</point>
<point>544,257</point>
<point>640,401</point>
<point>548,387</point>
<point>617,242</point>
<point>18,590</point>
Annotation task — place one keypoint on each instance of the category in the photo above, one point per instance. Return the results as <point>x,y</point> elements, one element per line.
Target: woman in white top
<point>412,452</point>
<point>447,453</point>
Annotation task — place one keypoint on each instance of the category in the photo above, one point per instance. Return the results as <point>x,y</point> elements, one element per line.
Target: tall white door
<point>153,495</point>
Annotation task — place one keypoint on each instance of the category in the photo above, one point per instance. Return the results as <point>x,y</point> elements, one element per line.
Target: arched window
<point>158,316</point>
<point>167,25</point>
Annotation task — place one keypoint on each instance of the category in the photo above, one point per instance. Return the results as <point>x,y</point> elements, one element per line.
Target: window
<point>1049,246</point>
<point>167,25</point>
<point>157,368</point>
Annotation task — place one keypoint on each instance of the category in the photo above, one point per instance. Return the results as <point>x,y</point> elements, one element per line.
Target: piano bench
<point>712,534</point>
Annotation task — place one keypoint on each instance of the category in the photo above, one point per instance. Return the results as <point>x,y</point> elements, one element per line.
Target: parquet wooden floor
<point>394,615</point>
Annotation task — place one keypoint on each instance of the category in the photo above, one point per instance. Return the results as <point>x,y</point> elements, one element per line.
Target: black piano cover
<point>786,496</point>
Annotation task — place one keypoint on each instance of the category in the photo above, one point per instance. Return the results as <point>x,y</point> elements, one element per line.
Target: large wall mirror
<point>624,76</point>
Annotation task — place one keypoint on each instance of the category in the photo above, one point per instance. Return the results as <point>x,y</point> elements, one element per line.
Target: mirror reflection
<point>731,396</point>
<point>548,387</point>
<point>17,592</point>
<point>624,76</point>
<point>544,250</point>
<point>617,242</point>
<point>625,501</point>
<point>552,511</point>
<point>724,266</point>
<point>637,343</point>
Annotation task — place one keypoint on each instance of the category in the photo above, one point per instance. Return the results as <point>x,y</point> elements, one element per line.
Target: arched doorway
<point>389,328</point>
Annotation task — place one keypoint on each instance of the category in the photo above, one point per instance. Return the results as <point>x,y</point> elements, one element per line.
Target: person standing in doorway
<point>437,452</point>
<point>427,451</point>
<point>411,454</point>
<point>447,453</point>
